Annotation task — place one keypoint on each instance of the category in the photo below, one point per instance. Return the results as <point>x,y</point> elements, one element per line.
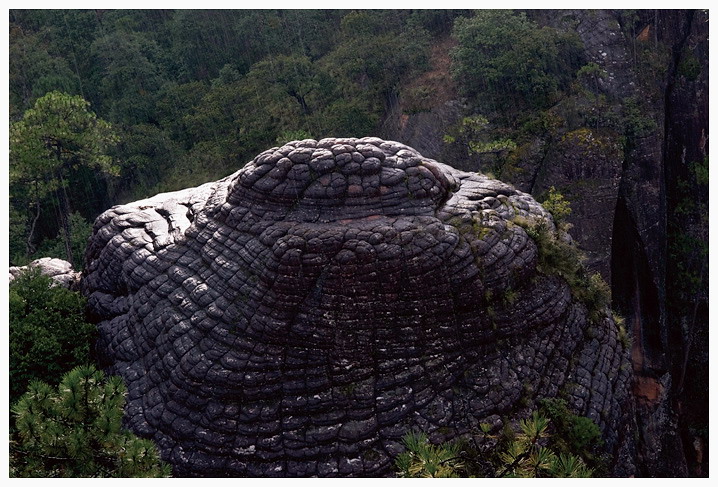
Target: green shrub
<point>559,207</point>
<point>48,331</point>
<point>562,258</point>
<point>74,430</point>
<point>556,256</point>
<point>593,292</point>
<point>637,120</point>
<point>576,435</point>
<point>492,147</point>
<point>475,133</point>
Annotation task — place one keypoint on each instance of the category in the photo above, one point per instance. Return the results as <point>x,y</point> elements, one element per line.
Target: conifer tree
<point>54,138</point>
<point>75,430</point>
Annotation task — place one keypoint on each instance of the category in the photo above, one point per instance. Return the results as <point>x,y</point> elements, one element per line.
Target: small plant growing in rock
<point>509,297</point>
<point>559,207</point>
<point>622,332</point>
<point>562,258</point>
<point>594,293</point>
<point>424,460</point>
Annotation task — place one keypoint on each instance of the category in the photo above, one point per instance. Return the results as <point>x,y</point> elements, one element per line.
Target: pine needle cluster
<point>75,430</point>
<point>528,452</point>
<point>424,460</point>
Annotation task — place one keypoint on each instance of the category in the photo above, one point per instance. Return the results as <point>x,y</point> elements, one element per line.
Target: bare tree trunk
<point>29,247</point>
<point>301,99</point>
<point>64,202</point>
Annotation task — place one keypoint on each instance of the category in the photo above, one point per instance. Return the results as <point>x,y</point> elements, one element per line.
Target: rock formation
<point>630,201</point>
<point>298,317</point>
<point>59,270</point>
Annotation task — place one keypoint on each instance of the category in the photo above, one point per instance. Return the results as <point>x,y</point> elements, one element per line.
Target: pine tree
<point>75,430</point>
<point>55,138</point>
<point>528,454</point>
<point>422,459</point>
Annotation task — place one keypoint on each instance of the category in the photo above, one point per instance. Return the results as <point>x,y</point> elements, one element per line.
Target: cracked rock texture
<point>298,317</point>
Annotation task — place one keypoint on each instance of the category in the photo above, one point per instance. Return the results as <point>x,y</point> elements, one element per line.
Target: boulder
<point>300,316</point>
<point>59,270</point>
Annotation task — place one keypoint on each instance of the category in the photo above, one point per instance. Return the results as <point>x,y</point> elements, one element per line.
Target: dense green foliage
<point>537,449</point>
<point>577,435</point>
<point>507,62</point>
<point>55,140</point>
<point>74,430</point>
<point>191,95</point>
<point>48,332</point>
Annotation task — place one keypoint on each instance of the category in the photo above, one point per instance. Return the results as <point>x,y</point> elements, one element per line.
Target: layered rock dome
<point>298,317</point>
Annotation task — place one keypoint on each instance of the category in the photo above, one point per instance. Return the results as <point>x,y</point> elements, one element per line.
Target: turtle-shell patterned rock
<point>298,317</point>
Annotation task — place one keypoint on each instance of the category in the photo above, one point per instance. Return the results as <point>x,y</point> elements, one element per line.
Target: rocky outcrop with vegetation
<point>60,271</point>
<point>300,316</point>
<point>606,108</point>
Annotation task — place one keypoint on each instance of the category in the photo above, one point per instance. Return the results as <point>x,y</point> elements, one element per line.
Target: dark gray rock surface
<point>298,317</point>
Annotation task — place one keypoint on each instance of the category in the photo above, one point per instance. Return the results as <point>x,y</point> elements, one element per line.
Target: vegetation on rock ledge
<point>541,447</point>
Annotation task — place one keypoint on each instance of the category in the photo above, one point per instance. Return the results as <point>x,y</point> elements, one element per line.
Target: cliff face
<point>685,156</point>
<point>300,316</point>
<point>633,176</point>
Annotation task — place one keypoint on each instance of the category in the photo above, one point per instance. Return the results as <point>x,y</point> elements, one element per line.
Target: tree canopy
<point>53,141</point>
<point>507,59</point>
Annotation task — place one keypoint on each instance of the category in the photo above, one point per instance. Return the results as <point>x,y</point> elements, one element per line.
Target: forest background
<point>169,99</point>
